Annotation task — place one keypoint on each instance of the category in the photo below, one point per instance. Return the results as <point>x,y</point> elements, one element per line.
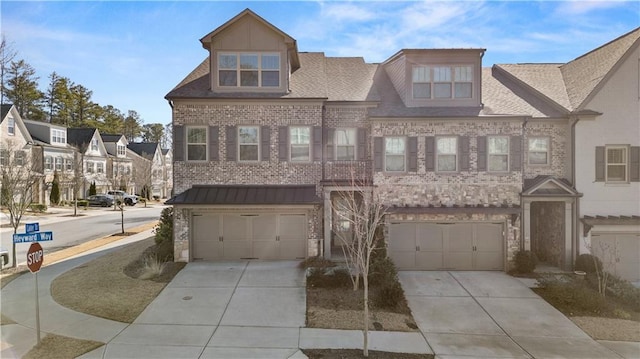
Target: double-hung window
<point>248,69</point>
<point>395,154</point>
<point>11,126</point>
<point>48,163</point>
<point>249,143</point>
<point>616,163</point>
<point>99,167</point>
<point>122,150</point>
<point>442,82</point>
<point>60,136</point>
<point>538,151</point>
<point>90,168</point>
<point>4,157</point>
<point>69,164</point>
<point>19,158</point>
<point>421,82</point>
<point>94,144</point>
<point>59,163</point>
<point>196,143</point>
<point>447,154</point>
<point>498,153</point>
<point>300,138</point>
<point>345,140</point>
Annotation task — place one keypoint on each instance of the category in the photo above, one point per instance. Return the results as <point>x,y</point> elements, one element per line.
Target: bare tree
<point>608,255</point>
<point>7,54</point>
<point>19,175</point>
<point>364,211</point>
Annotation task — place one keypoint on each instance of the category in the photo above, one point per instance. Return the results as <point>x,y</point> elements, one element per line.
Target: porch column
<point>568,225</point>
<point>526,221</point>
<point>327,224</point>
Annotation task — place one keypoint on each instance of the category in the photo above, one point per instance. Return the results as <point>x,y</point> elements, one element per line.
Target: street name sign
<point>32,237</point>
<point>31,227</point>
<point>35,257</point>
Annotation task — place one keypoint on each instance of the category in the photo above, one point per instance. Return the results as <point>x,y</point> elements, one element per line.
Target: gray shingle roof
<point>544,78</point>
<point>144,149</point>
<point>248,195</point>
<point>4,111</point>
<point>80,137</point>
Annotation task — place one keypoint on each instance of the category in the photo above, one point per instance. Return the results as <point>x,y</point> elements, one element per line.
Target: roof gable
<point>20,127</point>
<point>145,149</point>
<point>549,186</point>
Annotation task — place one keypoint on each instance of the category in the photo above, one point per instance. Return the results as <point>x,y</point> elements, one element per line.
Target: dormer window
<point>442,82</point>
<point>122,150</point>
<point>58,136</point>
<point>94,144</point>
<point>248,69</point>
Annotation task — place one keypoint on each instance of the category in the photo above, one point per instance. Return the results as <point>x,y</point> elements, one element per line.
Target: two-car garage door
<point>446,246</point>
<point>252,235</point>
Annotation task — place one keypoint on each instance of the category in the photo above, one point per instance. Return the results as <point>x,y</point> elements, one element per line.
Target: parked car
<point>103,200</point>
<point>129,199</point>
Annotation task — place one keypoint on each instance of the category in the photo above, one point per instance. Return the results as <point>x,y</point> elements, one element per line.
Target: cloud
<point>580,7</point>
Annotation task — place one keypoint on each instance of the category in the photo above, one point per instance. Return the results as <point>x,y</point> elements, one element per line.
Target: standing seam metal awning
<point>247,194</point>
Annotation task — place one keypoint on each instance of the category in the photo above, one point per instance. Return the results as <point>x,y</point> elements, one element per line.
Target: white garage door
<point>255,236</point>
<point>450,246</point>
<point>621,250</point>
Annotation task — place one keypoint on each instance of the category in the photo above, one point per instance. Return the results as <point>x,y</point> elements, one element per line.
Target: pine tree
<point>92,188</point>
<point>54,197</point>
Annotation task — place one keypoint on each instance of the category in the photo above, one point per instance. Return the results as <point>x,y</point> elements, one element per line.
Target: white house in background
<point>167,153</point>
<point>94,158</point>
<point>152,152</point>
<point>119,165</point>
<point>53,155</point>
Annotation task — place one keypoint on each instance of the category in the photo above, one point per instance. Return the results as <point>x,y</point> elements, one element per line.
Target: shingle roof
<point>144,149</point>
<point>80,137</point>
<point>585,73</point>
<point>544,78</point>
<point>4,111</point>
<point>248,195</point>
<point>110,137</point>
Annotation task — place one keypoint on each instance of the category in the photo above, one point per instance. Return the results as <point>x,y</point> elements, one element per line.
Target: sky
<point>132,53</point>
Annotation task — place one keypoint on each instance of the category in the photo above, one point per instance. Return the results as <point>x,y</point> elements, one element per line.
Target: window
<point>11,126</point>
<point>300,138</point>
<point>249,69</point>
<point>69,164</point>
<point>4,157</point>
<point>19,158</point>
<point>616,163</point>
<point>89,167</point>
<point>447,154</point>
<point>48,163</point>
<point>121,150</point>
<point>196,144</point>
<point>345,140</point>
<point>249,143</point>
<point>394,154</point>
<point>59,163</point>
<point>442,82</point>
<point>60,136</point>
<point>498,154</point>
<point>100,167</point>
<point>94,144</point>
<point>538,151</point>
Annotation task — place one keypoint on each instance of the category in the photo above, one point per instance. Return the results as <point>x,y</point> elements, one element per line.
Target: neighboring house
<point>16,143</point>
<point>53,156</point>
<point>168,172</point>
<point>93,154</point>
<point>473,164</point>
<point>153,174</point>
<point>119,166</point>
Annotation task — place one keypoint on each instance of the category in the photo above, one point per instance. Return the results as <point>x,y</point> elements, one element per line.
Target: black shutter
<point>377,154</point>
<point>214,154</point>
<point>600,164</point>
<point>178,143</point>
<point>362,144</point>
<point>317,143</point>
<point>515,155</point>
<point>232,139</point>
<point>283,143</point>
<point>482,153</point>
<point>329,152</point>
<point>412,145</point>
<point>463,153</point>
<point>634,164</point>
<point>430,153</point>
<point>265,143</point>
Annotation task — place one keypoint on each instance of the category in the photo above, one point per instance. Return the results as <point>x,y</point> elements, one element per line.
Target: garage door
<point>249,236</point>
<point>623,250</point>
<point>450,246</point>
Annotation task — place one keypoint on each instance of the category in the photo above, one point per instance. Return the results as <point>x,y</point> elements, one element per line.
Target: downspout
<point>522,211</point>
<point>576,202</point>
<point>323,165</point>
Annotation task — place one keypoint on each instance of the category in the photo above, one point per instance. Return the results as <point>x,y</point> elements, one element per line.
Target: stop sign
<point>35,256</point>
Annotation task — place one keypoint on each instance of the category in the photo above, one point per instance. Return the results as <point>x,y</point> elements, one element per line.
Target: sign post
<point>35,256</point>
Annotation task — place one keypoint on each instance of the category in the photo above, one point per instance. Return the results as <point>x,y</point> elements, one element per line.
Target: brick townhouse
<point>473,163</point>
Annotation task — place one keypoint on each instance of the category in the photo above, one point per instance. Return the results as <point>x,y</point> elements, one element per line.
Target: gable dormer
<point>48,133</point>
<point>248,54</point>
<point>437,77</point>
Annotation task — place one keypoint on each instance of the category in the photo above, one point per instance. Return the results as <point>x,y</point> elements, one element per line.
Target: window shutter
<point>265,143</point>
<point>463,153</point>
<point>482,153</point>
<point>283,143</point>
<point>412,145</point>
<point>430,153</point>
<point>317,143</point>
<point>515,155</point>
<point>600,164</point>
<point>178,143</point>
<point>213,143</point>
<point>377,154</point>
<point>362,144</point>
<point>329,153</point>
<point>634,164</point>
<point>232,139</point>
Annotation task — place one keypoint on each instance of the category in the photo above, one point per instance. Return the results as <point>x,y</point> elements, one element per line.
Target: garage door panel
<point>429,260</point>
<point>404,237</point>
<point>237,249</point>
<point>293,236</point>
<point>489,261</point>
<point>263,227</point>
<point>265,249</point>
<point>489,237</point>
<point>429,237</point>
<point>623,249</point>
<point>460,237</point>
<point>206,243</point>
<point>404,259</point>
<point>459,260</point>
<point>292,249</point>
<point>235,227</point>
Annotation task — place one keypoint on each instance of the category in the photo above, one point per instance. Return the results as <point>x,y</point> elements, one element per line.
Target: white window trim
<point>99,167</point>
<point>94,144</point>
<point>239,70</point>
<point>48,163</point>
<point>355,147</point>
<point>625,163</point>
<point>489,154</point>
<point>257,144</point>
<point>11,126</point>
<point>291,144</point>
<point>404,167</point>
<point>121,150</point>
<point>548,151</point>
<point>453,82</point>
<point>59,162</point>
<point>455,155</point>
<point>205,143</point>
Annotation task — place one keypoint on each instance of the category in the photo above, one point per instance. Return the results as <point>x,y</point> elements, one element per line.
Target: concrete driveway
<point>219,310</point>
<point>492,315</point>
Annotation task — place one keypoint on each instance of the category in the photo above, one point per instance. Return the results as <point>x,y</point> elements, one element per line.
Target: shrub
<point>327,278</point>
<point>82,202</point>
<point>156,198</point>
<point>153,267</point>
<point>525,261</point>
<point>54,197</point>
<point>624,291</point>
<point>388,296</point>
<point>572,296</point>
<point>382,270</point>
<point>164,235</point>
<point>37,207</point>
<point>92,188</point>
<point>316,262</point>
<point>588,263</point>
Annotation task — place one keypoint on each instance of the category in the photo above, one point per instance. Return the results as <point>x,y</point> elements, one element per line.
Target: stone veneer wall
<point>560,151</point>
